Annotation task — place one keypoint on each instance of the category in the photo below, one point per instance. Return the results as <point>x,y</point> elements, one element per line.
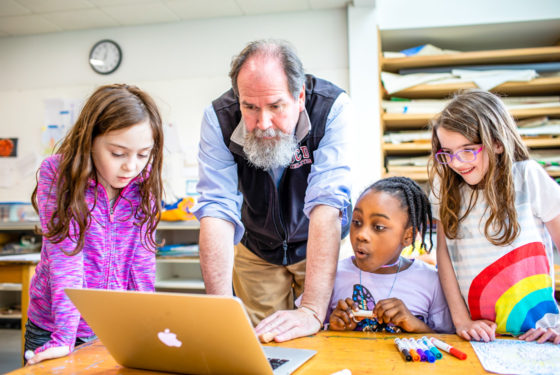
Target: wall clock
<point>105,56</point>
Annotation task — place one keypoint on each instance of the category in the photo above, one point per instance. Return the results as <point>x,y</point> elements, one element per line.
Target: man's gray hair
<point>293,68</point>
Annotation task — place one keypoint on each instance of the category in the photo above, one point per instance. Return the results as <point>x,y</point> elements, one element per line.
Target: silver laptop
<point>182,333</point>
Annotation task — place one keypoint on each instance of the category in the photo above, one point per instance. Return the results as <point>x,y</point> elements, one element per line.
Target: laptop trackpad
<point>284,361</point>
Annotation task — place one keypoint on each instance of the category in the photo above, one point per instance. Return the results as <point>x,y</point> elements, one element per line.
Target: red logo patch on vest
<point>301,157</point>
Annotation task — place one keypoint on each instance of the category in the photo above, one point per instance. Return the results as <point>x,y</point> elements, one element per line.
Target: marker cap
<point>457,353</point>
<point>436,352</point>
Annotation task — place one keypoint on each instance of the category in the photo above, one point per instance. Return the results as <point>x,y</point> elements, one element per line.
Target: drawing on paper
<point>518,357</point>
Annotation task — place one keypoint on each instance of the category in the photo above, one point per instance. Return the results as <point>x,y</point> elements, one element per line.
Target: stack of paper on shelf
<point>422,50</point>
<point>395,82</point>
<point>488,79</point>
<point>544,67</point>
<point>408,136</point>
<point>404,161</point>
<point>178,251</point>
<point>548,128</point>
<point>406,165</point>
<point>525,102</point>
<point>484,79</point>
<point>416,106</point>
<point>531,122</point>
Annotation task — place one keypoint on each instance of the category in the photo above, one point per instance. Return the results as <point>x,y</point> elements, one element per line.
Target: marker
<point>448,348</point>
<point>431,357</point>
<point>420,352</point>
<point>422,355</point>
<point>413,353</point>
<point>432,348</point>
<point>403,350</point>
<point>29,354</point>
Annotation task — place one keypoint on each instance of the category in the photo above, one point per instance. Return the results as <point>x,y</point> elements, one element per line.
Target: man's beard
<point>269,153</point>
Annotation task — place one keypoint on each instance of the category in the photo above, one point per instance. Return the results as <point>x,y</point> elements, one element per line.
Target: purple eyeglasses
<point>465,156</point>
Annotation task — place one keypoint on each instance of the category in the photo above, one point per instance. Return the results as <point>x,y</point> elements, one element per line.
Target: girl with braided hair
<point>371,286</point>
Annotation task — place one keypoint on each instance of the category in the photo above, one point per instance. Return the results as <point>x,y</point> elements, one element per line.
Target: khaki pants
<point>263,287</point>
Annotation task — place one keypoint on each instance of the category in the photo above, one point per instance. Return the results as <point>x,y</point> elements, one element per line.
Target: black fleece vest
<point>276,228</point>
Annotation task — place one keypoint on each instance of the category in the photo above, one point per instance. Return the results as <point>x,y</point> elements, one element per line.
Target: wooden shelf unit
<point>539,86</point>
<point>179,273</point>
<point>488,57</point>
<point>398,120</point>
<point>172,273</point>
<point>423,146</point>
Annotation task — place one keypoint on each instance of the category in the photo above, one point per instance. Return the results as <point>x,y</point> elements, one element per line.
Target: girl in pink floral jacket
<point>98,201</point>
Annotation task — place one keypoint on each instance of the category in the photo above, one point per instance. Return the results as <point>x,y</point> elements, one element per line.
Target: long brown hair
<point>109,108</point>
<point>482,118</point>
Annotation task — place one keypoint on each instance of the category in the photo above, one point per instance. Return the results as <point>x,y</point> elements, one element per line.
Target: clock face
<point>105,57</point>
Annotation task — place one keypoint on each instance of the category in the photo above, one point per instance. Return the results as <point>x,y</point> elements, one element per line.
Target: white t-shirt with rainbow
<point>512,285</point>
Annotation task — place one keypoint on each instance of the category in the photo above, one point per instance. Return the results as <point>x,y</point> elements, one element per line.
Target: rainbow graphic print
<point>516,291</point>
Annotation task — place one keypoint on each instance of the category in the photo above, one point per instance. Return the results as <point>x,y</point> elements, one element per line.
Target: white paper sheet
<point>518,357</point>
<point>488,79</point>
<point>395,82</point>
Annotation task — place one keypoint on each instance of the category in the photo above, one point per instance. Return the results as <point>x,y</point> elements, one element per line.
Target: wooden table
<point>361,352</point>
<point>17,270</point>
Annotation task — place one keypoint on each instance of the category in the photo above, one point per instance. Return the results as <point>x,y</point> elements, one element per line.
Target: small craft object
<point>362,314</point>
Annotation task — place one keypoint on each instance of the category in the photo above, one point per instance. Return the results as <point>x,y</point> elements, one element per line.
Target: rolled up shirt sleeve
<point>329,182</point>
<point>217,172</point>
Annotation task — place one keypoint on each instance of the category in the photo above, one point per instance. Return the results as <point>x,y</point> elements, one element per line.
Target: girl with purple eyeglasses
<point>498,215</point>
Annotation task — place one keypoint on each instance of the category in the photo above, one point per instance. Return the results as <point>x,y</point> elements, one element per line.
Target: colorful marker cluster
<point>425,349</point>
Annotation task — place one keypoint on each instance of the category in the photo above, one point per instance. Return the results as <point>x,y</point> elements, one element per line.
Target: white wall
<point>468,25</point>
<point>364,87</point>
<point>411,14</point>
<point>183,65</point>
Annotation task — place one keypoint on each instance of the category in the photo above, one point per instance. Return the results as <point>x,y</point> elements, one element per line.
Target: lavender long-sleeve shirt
<point>114,257</point>
<point>418,287</point>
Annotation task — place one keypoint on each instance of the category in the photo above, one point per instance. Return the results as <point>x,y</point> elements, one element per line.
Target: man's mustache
<point>269,133</point>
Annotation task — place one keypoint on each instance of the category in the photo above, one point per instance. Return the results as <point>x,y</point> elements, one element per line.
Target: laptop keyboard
<point>276,362</point>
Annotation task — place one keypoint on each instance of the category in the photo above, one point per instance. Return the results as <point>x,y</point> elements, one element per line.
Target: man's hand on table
<point>286,325</point>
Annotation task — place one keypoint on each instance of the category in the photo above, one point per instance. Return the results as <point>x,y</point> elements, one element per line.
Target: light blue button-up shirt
<point>328,181</point>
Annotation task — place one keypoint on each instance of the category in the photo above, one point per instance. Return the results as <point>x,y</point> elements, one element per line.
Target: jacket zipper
<point>111,220</point>
<point>277,208</point>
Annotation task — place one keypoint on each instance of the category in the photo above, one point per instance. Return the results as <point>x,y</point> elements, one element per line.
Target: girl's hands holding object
<point>477,330</point>
<point>341,318</point>
<point>394,311</point>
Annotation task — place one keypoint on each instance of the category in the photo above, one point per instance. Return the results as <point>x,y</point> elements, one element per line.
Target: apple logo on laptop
<point>169,338</point>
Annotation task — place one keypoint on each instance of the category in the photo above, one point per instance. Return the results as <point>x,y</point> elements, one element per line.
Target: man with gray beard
<point>270,148</point>
<point>274,180</point>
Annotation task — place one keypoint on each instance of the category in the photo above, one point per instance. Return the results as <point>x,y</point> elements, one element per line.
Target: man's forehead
<point>262,100</point>
<point>261,62</point>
